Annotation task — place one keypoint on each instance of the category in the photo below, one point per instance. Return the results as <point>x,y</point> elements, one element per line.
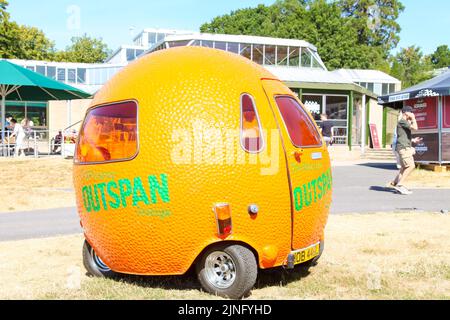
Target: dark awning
<point>436,87</point>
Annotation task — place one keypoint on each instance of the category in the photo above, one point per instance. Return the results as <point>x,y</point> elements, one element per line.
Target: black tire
<point>93,264</point>
<point>243,271</point>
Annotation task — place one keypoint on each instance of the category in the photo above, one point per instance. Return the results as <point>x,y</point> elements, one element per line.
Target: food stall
<point>431,103</point>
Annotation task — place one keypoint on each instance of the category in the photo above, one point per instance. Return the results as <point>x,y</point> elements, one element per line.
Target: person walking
<point>19,133</point>
<point>404,147</point>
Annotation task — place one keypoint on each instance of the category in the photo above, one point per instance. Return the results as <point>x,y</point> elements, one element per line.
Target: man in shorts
<point>405,149</point>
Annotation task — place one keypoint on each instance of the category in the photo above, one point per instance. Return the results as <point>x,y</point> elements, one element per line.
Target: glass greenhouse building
<point>349,97</point>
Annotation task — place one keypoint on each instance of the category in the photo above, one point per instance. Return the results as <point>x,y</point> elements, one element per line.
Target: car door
<point>308,164</point>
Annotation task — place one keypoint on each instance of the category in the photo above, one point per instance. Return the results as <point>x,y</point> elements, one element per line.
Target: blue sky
<point>424,23</point>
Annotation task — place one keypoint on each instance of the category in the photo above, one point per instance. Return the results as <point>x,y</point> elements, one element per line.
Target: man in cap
<point>405,149</point>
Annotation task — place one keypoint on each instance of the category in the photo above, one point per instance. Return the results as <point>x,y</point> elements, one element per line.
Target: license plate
<point>304,255</point>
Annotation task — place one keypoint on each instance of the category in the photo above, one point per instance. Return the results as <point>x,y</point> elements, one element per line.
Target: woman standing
<point>19,133</point>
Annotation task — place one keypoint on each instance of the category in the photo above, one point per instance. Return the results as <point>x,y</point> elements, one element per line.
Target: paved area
<point>358,188</point>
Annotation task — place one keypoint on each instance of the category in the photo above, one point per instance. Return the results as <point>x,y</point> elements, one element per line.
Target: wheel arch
<point>225,243</point>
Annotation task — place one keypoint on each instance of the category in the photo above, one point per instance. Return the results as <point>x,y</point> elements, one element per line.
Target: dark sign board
<point>426,112</point>
<point>446,117</point>
<point>446,146</point>
<point>428,150</point>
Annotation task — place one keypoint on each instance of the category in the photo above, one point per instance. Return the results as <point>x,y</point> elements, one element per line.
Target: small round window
<point>251,132</point>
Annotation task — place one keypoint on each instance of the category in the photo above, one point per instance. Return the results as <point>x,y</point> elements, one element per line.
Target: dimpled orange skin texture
<point>186,88</point>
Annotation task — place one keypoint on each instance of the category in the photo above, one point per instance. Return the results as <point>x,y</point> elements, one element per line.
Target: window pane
<point>207,44</point>
<point>306,58</point>
<point>294,57</point>
<point>71,75</point>
<point>251,132</point>
<point>258,53</point>
<point>174,44</point>
<point>152,38</point>
<point>316,63</point>
<point>270,55</point>
<point>337,108</point>
<point>109,133</point>
<point>51,72</point>
<point>62,75</point>
<point>41,70</point>
<point>246,50</point>
<point>196,43</point>
<point>385,89</point>
<point>370,86</point>
<point>391,88</point>
<point>38,115</point>
<point>30,68</point>
<point>301,129</point>
<point>17,112</point>
<point>282,56</point>
<point>220,45</point>
<point>81,75</point>
<point>130,54</point>
<point>314,104</point>
<point>233,47</point>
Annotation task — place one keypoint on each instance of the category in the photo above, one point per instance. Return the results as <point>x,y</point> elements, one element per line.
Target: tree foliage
<point>441,57</point>
<point>375,21</point>
<point>84,49</point>
<point>411,66</point>
<point>29,43</point>
<point>343,31</point>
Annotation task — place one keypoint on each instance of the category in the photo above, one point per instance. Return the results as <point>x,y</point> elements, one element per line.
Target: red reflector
<point>223,217</point>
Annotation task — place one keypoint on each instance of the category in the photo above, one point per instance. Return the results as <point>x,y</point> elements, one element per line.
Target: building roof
<point>315,75</point>
<point>371,76</point>
<point>316,78</point>
<point>438,86</point>
<point>241,39</point>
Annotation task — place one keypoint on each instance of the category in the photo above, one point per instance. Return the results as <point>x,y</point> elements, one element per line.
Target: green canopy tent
<point>20,84</point>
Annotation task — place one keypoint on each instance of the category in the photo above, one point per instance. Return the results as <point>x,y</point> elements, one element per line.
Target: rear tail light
<point>223,217</point>
<point>109,133</point>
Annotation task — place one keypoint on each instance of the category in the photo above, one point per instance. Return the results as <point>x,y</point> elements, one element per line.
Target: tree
<point>411,66</point>
<point>22,42</point>
<point>319,22</point>
<point>84,50</point>
<point>33,44</point>
<point>375,21</point>
<point>441,57</point>
<point>3,14</point>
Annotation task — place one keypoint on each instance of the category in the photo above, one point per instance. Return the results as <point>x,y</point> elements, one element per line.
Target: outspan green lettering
<point>116,194</point>
<point>139,194</point>
<point>298,197</point>
<point>125,191</point>
<point>113,195</point>
<point>86,199</point>
<point>162,189</point>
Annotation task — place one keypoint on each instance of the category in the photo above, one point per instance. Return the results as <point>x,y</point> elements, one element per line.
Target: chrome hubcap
<point>220,270</point>
<point>99,263</point>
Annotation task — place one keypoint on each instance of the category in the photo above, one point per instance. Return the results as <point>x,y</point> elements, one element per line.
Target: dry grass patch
<point>33,184</point>
<point>421,178</point>
<point>381,256</point>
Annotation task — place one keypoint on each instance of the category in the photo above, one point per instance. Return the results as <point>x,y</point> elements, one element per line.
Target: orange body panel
<point>188,131</point>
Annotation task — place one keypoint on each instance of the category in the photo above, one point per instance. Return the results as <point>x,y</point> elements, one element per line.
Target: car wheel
<point>94,265</point>
<point>228,271</point>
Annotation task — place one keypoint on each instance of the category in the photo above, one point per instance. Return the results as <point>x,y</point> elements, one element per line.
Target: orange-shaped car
<point>198,157</point>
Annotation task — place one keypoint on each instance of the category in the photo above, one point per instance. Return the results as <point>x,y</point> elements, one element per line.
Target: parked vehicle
<point>197,157</point>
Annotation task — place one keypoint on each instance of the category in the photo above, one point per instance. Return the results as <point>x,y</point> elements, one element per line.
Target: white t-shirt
<point>18,132</point>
